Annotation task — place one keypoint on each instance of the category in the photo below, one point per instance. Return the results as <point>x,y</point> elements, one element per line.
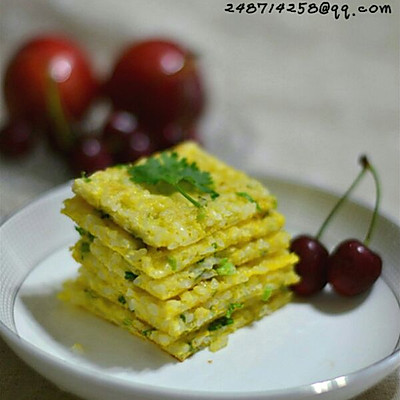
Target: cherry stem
<point>377,201</point>
<point>365,165</point>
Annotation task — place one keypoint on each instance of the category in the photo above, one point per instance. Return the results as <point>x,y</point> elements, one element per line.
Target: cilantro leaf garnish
<point>170,169</point>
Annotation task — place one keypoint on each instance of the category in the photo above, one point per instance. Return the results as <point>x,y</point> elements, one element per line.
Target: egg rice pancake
<point>152,307</point>
<point>166,315</point>
<point>179,249</point>
<point>213,334</point>
<point>164,218</point>
<point>220,263</point>
<point>160,262</point>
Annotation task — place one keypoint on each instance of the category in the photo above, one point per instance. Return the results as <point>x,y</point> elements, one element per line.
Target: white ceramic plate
<point>326,345</point>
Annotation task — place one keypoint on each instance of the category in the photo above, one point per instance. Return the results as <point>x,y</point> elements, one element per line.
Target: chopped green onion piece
<point>219,323</point>
<point>250,199</point>
<point>85,177</point>
<point>130,276</point>
<point>147,332</point>
<point>121,299</point>
<point>225,267</point>
<point>232,307</point>
<point>85,247</point>
<point>83,232</point>
<point>267,293</point>
<point>172,262</point>
<point>90,293</point>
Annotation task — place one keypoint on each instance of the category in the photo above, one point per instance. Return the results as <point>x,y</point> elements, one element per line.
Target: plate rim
<point>388,363</point>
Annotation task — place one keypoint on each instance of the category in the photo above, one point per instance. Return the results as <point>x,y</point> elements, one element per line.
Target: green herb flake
<point>90,293</point>
<point>215,245</point>
<point>130,276</point>
<point>147,332</point>
<point>168,168</point>
<point>121,299</point>
<point>201,214</point>
<point>83,233</point>
<point>183,317</point>
<point>225,267</point>
<point>127,322</point>
<point>232,307</point>
<point>80,230</point>
<point>120,166</point>
<point>172,263</point>
<point>85,177</point>
<point>85,247</point>
<point>219,323</point>
<point>267,293</point>
<point>191,347</point>
<point>246,196</point>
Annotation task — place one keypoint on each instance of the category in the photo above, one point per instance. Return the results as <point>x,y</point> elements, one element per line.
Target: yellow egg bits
<point>179,263</point>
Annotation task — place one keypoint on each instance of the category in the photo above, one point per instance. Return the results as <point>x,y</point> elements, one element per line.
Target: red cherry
<point>138,145</point>
<point>89,154</point>
<point>344,264</point>
<point>312,266</point>
<point>172,134</point>
<point>117,130</point>
<point>16,139</point>
<point>353,268</point>
<point>35,66</point>
<point>159,81</point>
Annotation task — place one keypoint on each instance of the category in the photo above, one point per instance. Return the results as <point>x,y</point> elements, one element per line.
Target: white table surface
<point>296,96</point>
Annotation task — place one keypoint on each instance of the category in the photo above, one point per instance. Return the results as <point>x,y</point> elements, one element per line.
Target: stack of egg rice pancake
<point>179,275</point>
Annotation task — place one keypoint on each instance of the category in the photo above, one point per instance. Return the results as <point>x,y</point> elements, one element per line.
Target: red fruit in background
<point>138,145</point>
<point>172,134</point>
<point>29,74</point>
<point>125,139</point>
<point>16,139</point>
<point>117,130</point>
<point>89,154</point>
<point>159,81</point>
